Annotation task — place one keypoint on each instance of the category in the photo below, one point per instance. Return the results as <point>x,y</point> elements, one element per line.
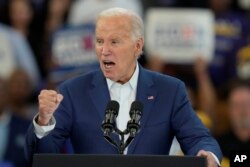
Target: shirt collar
<point>133,80</point>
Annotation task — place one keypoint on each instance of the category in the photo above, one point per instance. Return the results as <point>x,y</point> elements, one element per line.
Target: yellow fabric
<point>225,162</point>
<point>244,54</point>
<point>204,119</point>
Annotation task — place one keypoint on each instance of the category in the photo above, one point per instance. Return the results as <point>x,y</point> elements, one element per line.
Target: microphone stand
<point>122,144</point>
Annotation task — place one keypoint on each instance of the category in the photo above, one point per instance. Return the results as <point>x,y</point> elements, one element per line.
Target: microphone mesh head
<point>136,106</point>
<point>114,106</point>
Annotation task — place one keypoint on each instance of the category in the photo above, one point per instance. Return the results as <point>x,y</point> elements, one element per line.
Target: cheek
<point>98,52</point>
<point>237,114</point>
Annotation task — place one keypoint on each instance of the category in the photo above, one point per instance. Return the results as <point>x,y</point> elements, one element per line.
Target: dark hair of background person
<point>33,27</point>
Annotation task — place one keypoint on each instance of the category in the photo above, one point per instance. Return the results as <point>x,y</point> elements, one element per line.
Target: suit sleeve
<point>190,132</point>
<point>54,141</point>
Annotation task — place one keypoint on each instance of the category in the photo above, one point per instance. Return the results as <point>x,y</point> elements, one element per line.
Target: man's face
<point>239,104</point>
<point>115,49</point>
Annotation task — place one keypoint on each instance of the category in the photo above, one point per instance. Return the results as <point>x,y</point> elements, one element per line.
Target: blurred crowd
<point>219,90</point>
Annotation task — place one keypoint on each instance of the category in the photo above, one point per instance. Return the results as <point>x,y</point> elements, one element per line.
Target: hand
<point>200,66</point>
<point>156,63</point>
<point>211,162</point>
<point>48,100</point>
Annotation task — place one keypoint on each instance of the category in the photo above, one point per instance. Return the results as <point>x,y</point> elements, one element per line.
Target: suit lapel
<point>99,93</point>
<point>146,93</point>
<point>100,96</point>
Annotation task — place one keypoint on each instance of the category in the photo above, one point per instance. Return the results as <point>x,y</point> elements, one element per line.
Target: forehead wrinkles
<point>114,24</point>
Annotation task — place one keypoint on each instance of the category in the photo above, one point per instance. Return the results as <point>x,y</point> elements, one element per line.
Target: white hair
<point>136,21</point>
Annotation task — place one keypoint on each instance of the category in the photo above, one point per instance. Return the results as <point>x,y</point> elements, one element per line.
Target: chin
<point>108,75</point>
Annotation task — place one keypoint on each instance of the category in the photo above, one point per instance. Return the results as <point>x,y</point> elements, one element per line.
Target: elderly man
<point>77,110</point>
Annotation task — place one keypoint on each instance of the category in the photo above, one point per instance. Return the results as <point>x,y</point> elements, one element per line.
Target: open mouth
<point>108,64</point>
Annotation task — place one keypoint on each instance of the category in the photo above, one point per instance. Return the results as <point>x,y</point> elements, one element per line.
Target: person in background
<point>20,91</point>
<point>12,131</point>
<point>231,33</point>
<point>238,136</point>
<point>243,62</point>
<point>16,54</point>
<point>57,15</point>
<point>206,97</point>
<point>21,17</point>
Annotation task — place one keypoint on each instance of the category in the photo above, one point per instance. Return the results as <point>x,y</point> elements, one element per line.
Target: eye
<point>114,42</point>
<point>99,41</point>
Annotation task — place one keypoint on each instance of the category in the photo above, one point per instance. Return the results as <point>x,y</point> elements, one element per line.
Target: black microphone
<point>109,122</point>
<point>135,113</point>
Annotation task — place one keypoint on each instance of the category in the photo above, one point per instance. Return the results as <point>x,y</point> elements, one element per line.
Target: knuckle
<point>43,91</point>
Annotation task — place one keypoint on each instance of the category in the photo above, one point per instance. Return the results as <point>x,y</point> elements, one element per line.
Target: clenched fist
<point>48,100</point>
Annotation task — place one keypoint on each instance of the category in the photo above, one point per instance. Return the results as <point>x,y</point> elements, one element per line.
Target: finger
<point>47,107</point>
<point>50,96</point>
<point>202,153</point>
<point>47,103</point>
<point>50,99</point>
<point>48,92</point>
<point>209,158</point>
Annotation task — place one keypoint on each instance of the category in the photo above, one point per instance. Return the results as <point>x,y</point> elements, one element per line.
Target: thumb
<point>59,98</point>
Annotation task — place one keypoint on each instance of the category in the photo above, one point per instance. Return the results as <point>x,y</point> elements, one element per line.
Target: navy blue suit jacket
<point>167,113</point>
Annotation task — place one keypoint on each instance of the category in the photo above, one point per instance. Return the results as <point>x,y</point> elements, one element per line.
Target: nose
<point>105,50</point>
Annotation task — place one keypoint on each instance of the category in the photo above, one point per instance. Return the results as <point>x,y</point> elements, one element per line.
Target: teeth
<point>107,65</point>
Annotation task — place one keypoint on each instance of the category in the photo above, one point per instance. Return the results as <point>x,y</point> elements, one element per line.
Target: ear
<point>138,46</point>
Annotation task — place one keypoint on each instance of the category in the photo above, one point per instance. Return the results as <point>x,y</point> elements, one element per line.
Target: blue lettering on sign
<point>179,35</point>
